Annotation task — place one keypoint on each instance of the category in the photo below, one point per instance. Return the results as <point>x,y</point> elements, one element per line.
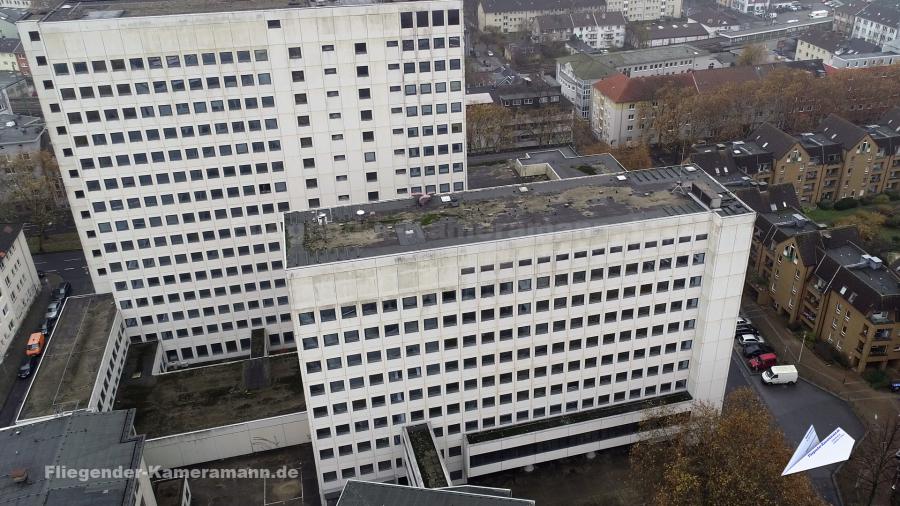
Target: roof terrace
<point>434,221</point>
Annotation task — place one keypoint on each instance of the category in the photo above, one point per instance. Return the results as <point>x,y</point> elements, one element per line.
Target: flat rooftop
<point>80,440</point>
<point>369,493</point>
<point>68,370</point>
<point>498,173</point>
<point>300,491</point>
<point>206,396</point>
<point>566,165</point>
<point>110,9</point>
<point>399,226</point>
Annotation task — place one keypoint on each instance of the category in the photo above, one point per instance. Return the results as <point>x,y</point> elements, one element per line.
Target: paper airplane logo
<point>812,453</point>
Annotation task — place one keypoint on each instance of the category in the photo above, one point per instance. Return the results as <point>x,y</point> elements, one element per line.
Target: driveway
<point>795,408</point>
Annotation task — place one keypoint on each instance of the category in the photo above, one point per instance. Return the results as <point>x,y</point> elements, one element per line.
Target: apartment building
<point>578,73</point>
<point>20,284</point>
<point>646,10</point>
<point>183,131</point>
<point>878,22</point>
<point>845,16</point>
<point>602,30</point>
<point>508,16</point>
<point>838,160</point>
<point>495,314</point>
<point>822,281</point>
<point>826,46</point>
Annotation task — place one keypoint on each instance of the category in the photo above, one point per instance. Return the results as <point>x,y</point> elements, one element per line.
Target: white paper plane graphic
<point>812,453</point>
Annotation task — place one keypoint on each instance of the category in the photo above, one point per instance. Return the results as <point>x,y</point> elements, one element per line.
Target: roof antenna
<point>679,188</point>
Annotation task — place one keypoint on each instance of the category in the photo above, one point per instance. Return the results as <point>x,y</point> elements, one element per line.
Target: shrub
<point>830,354</point>
<point>877,378</point>
<point>881,199</point>
<point>866,199</point>
<point>892,194</point>
<point>893,221</point>
<point>826,205</point>
<point>844,204</point>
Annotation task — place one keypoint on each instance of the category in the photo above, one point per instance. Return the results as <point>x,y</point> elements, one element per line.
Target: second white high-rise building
<point>184,130</point>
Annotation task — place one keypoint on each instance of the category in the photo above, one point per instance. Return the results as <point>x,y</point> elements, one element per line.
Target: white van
<point>818,14</point>
<point>780,375</point>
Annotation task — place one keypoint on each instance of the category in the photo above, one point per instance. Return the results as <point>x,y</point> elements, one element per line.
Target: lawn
<point>65,241</point>
<point>830,216</point>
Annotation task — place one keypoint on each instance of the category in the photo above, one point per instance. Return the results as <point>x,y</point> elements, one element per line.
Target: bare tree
<point>874,461</point>
<point>32,192</point>
<point>752,54</point>
<point>488,128</point>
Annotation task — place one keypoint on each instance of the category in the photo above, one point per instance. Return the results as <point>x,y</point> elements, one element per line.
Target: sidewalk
<point>849,385</point>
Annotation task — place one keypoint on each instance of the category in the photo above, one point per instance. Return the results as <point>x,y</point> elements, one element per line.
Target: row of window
<point>423,19</point>
<point>160,87</point>
<point>173,155</point>
<point>376,356</point>
<point>150,111</point>
<point>203,350</point>
<point>204,294</point>
<point>157,62</point>
<point>508,288</point>
<point>183,132</point>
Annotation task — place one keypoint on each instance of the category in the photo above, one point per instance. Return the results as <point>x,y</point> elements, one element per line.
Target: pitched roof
<point>494,6</point>
<point>587,67</point>
<point>711,16</point>
<point>9,232</point>
<point>777,197</point>
<point>578,19</point>
<point>770,137</point>
<point>620,88</point>
<point>837,43</point>
<point>8,45</point>
<point>840,130</point>
<point>891,119</point>
<point>885,12</point>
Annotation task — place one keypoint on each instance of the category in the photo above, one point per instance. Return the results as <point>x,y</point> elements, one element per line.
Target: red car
<point>763,362</point>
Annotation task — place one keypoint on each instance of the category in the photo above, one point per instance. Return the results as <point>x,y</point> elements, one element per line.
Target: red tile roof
<point>620,88</point>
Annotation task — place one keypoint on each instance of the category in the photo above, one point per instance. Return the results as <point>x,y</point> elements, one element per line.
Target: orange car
<point>35,344</point>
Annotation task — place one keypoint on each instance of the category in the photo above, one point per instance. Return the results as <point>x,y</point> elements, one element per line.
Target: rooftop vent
<point>523,189</point>
<point>621,178</point>
<point>875,263</point>
<point>19,475</point>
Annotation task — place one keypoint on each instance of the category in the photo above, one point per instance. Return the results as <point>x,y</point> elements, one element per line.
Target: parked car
<point>29,364</point>
<point>743,321</point>
<point>47,327</point>
<point>35,344</point>
<point>745,339</point>
<point>62,291</point>
<point>745,329</point>
<point>780,375</point>
<point>763,362</point>
<point>756,349</point>
<point>53,310</point>
<point>895,385</point>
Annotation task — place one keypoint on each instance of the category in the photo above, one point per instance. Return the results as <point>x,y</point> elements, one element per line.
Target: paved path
<point>71,266</point>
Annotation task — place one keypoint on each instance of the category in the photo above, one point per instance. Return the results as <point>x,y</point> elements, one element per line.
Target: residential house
<point>845,16</point>
<point>864,60</point>
<point>714,20</point>
<point>541,116</point>
<point>864,163</point>
<point>578,73</point>
<point>602,30</point>
<point>607,111</point>
<point>666,33</point>
<point>878,22</point>
<point>826,45</point>
<point>619,111</point>
<point>22,60</point>
<point>20,283</point>
<point>508,16</point>
<point>646,10</point>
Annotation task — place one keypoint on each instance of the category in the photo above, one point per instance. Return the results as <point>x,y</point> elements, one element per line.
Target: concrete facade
<point>181,135</point>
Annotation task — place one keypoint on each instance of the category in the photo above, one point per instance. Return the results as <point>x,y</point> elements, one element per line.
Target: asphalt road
<point>69,265</point>
<point>13,389</point>
<point>795,408</point>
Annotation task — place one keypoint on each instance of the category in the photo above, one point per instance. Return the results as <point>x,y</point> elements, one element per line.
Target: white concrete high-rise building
<point>19,283</point>
<point>491,313</point>
<point>184,130</point>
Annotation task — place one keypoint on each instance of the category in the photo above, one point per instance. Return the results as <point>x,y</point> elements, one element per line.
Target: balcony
<point>881,318</point>
<point>882,335</point>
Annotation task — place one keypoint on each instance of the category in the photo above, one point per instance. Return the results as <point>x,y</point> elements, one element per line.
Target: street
<point>70,266</point>
<point>795,408</point>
